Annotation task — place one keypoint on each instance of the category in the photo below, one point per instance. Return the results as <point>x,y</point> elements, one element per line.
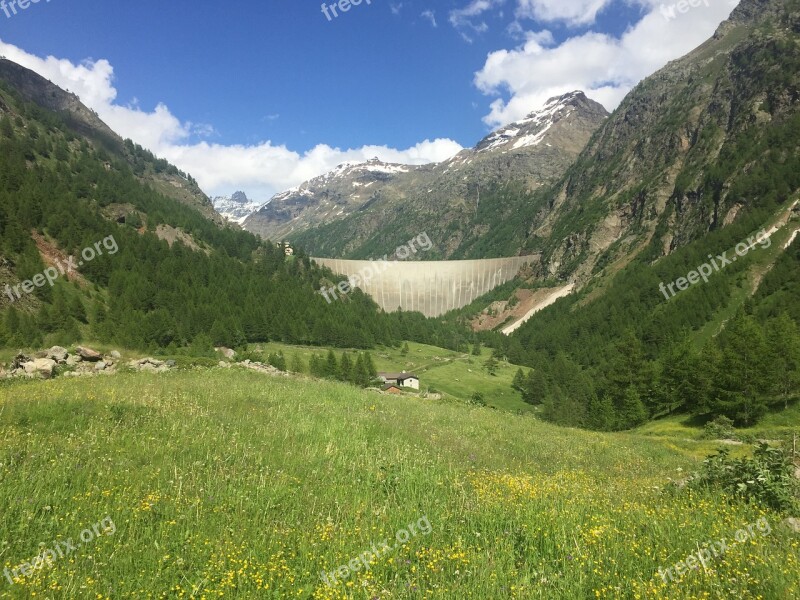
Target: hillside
<point>249,486</point>
<point>85,123</point>
<point>95,243</point>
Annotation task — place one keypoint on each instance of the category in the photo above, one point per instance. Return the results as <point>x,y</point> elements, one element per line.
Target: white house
<point>407,380</point>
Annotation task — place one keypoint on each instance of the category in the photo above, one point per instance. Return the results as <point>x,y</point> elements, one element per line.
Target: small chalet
<point>391,388</point>
<point>407,380</point>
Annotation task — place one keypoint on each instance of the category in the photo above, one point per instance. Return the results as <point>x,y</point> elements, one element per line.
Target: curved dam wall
<point>432,288</point>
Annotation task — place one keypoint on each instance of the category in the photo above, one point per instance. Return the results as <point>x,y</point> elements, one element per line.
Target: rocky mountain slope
<point>235,208</point>
<point>709,140</point>
<point>369,199</point>
<point>167,180</point>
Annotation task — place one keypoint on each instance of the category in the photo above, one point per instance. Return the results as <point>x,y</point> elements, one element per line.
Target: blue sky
<point>263,95</point>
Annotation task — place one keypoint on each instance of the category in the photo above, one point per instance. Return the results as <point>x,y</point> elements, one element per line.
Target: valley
<point>574,374</point>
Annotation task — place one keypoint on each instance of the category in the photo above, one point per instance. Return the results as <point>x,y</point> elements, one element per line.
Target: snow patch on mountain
<point>236,208</point>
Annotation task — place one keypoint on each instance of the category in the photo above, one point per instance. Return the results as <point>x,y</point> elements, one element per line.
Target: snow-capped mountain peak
<point>235,208</point>
<point>531,130</point>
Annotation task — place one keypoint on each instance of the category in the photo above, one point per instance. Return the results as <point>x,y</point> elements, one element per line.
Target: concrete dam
<point>432,288</point>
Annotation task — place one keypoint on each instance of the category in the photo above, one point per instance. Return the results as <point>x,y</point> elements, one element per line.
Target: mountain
<point>164,178</point>
<point>101,240</point>
<point>705,142</point>
<point>697,171</point>
<point>235,208</point>
<point>378,203</point>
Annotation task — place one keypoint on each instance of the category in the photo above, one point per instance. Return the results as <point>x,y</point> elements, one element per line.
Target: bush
<point>477,399</point>
<point>278,361</point>
<point>766,478</point>
<point>721,428</point>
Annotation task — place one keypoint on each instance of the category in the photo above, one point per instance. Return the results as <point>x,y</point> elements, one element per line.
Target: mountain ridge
<point>534,151</point>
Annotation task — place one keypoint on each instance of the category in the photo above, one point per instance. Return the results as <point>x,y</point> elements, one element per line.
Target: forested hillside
<point>700,157</point>
<point>213,286</point>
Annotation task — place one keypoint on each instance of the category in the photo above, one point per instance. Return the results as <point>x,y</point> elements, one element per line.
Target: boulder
<point>792,524</point>
<point>100,366</point>
<point>58,354</point>
<point>19,360</point>
<point>88,354</point>
<point>226,352</point>
<point>115,355</point>
<point>43,367</point>
<point>170,363</point>
<point>73,360</point>
<point>149,364</point>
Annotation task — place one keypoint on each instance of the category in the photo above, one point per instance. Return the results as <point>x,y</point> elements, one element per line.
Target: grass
<point>227,483</point>
<point>455,374</point>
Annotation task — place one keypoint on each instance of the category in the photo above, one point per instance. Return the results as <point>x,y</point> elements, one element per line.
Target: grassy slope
<point>455,374</point>
<point>227,483</point>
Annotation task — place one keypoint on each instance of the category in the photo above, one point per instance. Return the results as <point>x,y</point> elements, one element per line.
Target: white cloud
<point>261,169</point>
<point>431,16</point>
<point>464,19</point>
<point>605,67</point>
<point>572,12</point>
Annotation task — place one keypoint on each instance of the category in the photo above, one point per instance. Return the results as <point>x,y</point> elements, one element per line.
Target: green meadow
<point>226,483</point>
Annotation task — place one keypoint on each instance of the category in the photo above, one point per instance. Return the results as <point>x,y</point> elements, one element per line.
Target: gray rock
<point>58,354</point>
<point>89,355</point>
<point>793,524</point>
<point>170,363</point>
<point>115,355</point>
<point>42,367</point>
<point>226,352</point>
<point>100,366</point>
<point>73,360</point>
<point>19,360</point>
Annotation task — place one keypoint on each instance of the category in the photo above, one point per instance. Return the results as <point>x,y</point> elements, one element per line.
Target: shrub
<point>477,399</point>
<point>767,477</point>
<point>721,428</point>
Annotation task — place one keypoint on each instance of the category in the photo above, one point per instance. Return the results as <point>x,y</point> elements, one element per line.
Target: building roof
<point>397,376</point>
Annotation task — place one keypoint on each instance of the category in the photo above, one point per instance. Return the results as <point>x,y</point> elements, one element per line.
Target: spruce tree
<point>346,368</point>
<point>331,366</point>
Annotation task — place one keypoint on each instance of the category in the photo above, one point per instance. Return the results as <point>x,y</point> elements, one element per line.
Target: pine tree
<point>371,370</point>
<point>491,366</point>
<point>331,366</point>
<point>601,415</point>
<point>346,368</point>
<point>519,381</point>
<point>783,336</point>
<point>744,373</point>
<point>297,364</point>
<point>632,411</point>
<point>362,377</point>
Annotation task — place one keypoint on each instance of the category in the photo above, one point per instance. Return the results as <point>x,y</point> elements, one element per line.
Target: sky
<point>260,96</point>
